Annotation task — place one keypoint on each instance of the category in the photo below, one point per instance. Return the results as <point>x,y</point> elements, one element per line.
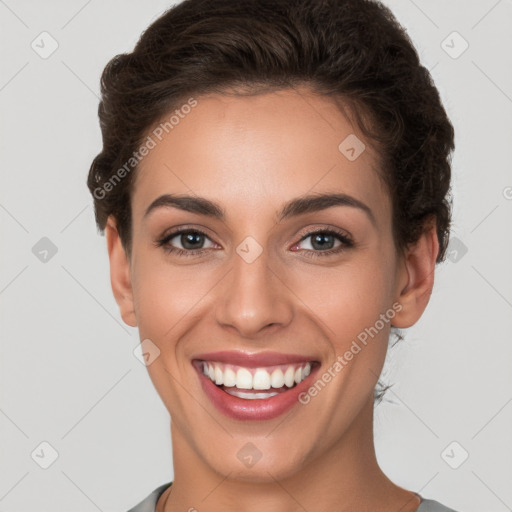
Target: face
<point>268,287</point>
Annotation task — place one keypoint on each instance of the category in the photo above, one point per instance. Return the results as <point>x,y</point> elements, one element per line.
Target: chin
<point>250,464</point>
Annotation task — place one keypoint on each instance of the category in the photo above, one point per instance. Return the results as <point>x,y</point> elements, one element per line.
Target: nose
<point>254,298</point>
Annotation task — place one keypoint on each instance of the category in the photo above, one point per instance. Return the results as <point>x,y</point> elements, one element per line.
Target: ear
<point>416,277</point>
<point>120,278</point>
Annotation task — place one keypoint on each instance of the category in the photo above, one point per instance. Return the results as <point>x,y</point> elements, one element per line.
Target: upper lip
<point>253,360</point>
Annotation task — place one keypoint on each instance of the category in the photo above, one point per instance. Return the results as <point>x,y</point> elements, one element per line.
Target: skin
<point>251,155</point>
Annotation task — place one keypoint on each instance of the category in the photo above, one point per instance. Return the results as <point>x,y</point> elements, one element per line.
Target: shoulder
<point>433,506</point>
<point>148,504</point>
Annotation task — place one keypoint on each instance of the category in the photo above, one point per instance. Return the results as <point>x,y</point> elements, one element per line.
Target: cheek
<point>347,299</point>
<point>342,300</point>
<point>167,298</point>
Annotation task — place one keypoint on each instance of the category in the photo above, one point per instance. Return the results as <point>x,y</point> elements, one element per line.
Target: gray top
<point>149,504</point>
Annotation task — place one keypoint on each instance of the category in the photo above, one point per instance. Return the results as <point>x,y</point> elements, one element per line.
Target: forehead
<point>253,151</point>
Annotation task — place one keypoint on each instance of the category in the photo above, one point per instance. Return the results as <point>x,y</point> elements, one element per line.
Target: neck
<point>347,477</point>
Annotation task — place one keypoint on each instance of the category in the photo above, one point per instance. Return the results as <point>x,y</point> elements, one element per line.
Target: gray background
<point>68,372</point>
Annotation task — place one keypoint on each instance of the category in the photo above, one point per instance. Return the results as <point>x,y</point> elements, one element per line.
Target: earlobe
<point>120,277</point>
<point>417,277</point>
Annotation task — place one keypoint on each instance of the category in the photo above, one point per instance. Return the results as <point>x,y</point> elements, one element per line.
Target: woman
<point>274,189</point>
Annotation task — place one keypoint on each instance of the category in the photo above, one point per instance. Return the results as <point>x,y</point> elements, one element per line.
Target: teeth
<point>218,375</point>
<point>255,378</point>
<point>243,379</point>
<point>261,380</point>
<point>289,376</point>
<point>229,378</point>
<point>250,396</point>
<point>277,379</point>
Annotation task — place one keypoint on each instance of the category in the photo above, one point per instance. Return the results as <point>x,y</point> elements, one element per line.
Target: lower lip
<point>256,409</point>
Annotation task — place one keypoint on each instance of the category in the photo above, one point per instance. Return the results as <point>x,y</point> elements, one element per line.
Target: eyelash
<point>346,243</point>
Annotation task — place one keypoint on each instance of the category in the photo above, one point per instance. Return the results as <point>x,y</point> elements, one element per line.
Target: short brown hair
<point>352,50</point>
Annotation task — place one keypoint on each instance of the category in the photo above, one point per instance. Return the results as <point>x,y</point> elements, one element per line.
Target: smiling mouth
<point>255,383</point>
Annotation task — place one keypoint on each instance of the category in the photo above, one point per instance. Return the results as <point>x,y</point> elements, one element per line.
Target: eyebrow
<point>295,207</point>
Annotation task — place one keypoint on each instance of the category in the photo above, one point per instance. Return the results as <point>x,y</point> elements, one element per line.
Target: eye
<point>323,243</point>
<point>191,242</point>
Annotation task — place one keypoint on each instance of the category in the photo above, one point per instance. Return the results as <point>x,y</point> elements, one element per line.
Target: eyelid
<point>345,239</point>
<point>305,232</point>
<point>326,229</point>
<point>171,233</point>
